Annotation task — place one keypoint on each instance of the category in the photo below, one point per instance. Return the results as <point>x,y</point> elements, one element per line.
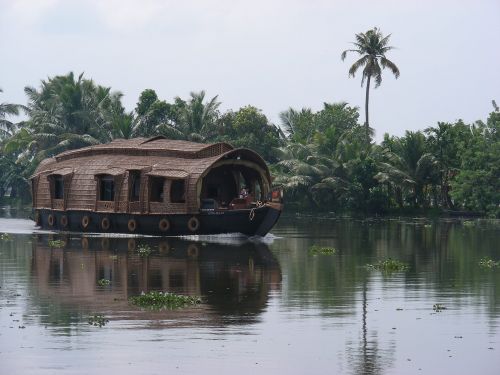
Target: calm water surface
<point>268,306</point>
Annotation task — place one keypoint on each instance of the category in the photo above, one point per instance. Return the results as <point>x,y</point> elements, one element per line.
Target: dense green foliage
<point>320,158</point>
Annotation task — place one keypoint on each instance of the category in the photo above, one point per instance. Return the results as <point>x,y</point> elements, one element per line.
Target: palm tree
<point>199,118</point>
<point>68,112</point>
<point>298,125</point>
<point>444,141</point>
<point>372,47</point>
<point>408,166</point>
<point>7,127</point>
<point>305,174</point>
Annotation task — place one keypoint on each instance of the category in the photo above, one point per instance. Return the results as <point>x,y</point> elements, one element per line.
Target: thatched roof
<point>163,157</point>
<point>151,146</point>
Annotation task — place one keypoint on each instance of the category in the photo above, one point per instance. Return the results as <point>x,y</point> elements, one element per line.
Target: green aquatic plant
<point>388,265</point>
<point>319,250</point>
<point>437,307</point>
<point>487,262</point>
<point>103,282</point>
<point>5,237</point>
<point>57,244</point>
<point>98,320</point>
<point>143,250</point>
<point>161,300</point>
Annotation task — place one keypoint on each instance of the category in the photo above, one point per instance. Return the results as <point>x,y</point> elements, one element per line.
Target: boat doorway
<point>231,186</point>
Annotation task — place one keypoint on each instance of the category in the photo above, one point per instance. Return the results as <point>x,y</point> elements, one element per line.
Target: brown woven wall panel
<point>178,208</point>
<point>166,208</point>
<point>57,204</point>
<point>135,207</point>
<point>105,206</point>
<point>122,206</point>
<point>157,208</point>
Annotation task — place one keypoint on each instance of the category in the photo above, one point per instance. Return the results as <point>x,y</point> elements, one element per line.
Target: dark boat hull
<point>251,222</point>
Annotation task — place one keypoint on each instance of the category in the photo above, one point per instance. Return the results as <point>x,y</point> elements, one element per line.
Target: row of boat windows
<point>156,190</point>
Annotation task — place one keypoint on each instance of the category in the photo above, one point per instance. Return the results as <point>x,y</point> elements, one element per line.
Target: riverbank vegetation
<point>324,159</point>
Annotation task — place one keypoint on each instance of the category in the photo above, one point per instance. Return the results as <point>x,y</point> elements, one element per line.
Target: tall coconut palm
<point>372,47</point>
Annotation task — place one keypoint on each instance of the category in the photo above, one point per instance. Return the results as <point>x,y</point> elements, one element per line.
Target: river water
<point>269,305</point>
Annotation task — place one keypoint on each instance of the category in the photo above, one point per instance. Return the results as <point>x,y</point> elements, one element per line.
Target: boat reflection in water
<point>234,281</point>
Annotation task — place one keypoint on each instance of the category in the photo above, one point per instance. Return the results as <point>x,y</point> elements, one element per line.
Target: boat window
<point>58,187</point>
<point>156,191</point>
<point>106,188</point>
<point>177,191</point>
<point>135,186</point>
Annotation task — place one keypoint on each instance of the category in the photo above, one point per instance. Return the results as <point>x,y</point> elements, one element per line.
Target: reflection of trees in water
<point>442,249</point>
<point>442,254</point>
<point>233,279</point>
<point>365,356</point>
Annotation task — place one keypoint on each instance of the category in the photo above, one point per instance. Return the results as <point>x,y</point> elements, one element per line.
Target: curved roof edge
<point>242,151</point>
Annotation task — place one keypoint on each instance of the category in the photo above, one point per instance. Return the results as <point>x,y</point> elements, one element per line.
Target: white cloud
<point>125,14</point>
<point>28,11</point>
<point>269,53</point>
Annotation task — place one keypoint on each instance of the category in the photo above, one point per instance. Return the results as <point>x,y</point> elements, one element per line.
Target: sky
<point>272,54</point>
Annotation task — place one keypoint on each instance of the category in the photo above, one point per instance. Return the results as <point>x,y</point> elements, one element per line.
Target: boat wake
<point>231,238</point>
<point>20,226</point>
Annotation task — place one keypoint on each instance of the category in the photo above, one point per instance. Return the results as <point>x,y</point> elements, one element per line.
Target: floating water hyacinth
<point>437,307</point>
<point>103,282</point>
<point>143,250</point>
<point>388,265</point>
<point>319,250</point>
<point>487,262</point>
<point>161,300</point>
<point>57,244</point>
<point>98,320</point>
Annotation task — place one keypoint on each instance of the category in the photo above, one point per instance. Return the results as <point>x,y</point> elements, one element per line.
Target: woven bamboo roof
<point>151,146</point>
<point>163,157</point>
<point>169,173</point>
<point>62,171</point>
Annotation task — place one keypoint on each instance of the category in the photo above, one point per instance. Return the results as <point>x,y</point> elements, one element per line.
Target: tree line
<point>324,160</point>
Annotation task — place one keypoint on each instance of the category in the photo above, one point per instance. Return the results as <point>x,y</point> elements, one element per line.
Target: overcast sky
<point>270,54</point>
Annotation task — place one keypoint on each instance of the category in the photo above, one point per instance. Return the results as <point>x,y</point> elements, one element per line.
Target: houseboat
<point>156,186</point>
